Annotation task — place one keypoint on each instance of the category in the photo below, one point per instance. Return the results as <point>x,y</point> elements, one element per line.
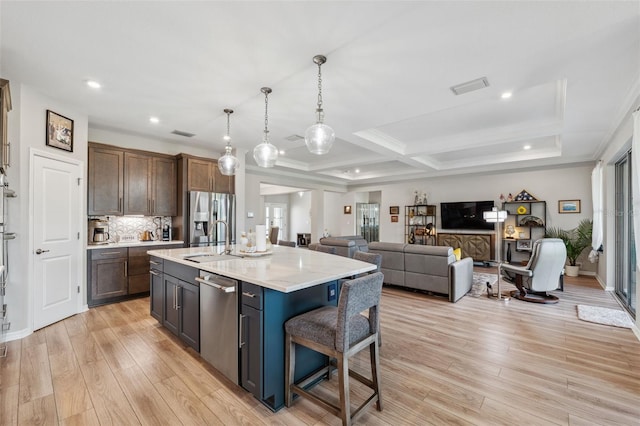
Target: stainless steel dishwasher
<point>219,323</point>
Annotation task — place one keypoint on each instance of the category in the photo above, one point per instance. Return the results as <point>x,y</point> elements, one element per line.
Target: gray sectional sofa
<point>428,268</point>
<point>345,246</point>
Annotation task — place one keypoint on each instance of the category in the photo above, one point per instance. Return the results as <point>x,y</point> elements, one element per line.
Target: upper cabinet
<point>5,107</point>
<point>204,175</point>
<point>137,184</point>
<point>106,181</point>
<point>164,186</point>
<point>131,182</point>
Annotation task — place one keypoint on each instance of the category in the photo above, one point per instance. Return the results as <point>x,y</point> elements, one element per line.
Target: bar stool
<point>339,332</point>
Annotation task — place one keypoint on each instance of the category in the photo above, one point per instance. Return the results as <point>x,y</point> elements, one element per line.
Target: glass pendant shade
<point>228,164</point>
<point>265,154</point>
<point>319,138</point>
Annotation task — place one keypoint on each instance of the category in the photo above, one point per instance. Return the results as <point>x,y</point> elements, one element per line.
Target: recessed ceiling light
<point>506,95</point>
<point>93,84</point>
<point>282,152</point>
<point>154,120</point>
<point>357,170</point>
<point>526,147</point>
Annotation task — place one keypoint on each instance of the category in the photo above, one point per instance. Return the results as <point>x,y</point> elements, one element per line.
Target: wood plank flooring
<point>478,361</point>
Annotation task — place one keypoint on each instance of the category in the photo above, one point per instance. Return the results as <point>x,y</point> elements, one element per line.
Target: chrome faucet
<point>227,245</point>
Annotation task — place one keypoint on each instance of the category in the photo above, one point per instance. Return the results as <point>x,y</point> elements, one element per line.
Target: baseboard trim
<point>19,334</point>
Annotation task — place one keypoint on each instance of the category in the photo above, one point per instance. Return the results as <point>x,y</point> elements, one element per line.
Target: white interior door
<point>56,239</point>
<point>276,215</point>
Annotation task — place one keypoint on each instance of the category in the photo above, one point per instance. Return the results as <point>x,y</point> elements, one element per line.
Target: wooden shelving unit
<point>420,224</point>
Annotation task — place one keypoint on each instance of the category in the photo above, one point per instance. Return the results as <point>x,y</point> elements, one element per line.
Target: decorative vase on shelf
<point>411,239</point>
<point>508,252</point>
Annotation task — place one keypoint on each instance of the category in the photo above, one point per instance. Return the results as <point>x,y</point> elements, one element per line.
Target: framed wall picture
<point>569,206</point>
<point>347,209</point>
<point>59,131</point>
<point>394,210</point>
<point>394,218</point>
<point>523,245</point>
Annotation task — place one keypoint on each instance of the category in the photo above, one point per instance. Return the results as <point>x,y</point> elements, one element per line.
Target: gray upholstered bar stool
<point>286,243</point>
<point>374,258</point>
<point>339,332</point>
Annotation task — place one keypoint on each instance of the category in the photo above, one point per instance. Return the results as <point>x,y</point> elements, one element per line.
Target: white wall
<point>26,132</point>
<point>299,214</point>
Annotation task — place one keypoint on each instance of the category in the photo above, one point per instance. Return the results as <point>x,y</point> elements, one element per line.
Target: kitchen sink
<point>203,258</point>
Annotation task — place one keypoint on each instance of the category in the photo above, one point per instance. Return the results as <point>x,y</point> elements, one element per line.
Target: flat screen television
<point>465,215</point>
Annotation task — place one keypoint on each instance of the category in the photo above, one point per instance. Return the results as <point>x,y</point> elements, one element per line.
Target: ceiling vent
<point>294,138</point>
<point>181,133</point>
<point>470,86</point>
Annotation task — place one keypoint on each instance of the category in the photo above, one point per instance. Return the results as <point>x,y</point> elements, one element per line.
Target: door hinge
<point>78,289</point>
<point>79,179</point>
<point>78,235</point>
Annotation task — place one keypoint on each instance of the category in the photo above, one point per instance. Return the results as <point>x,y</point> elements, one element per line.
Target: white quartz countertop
<point>286,269</point>
<point>149,244</point>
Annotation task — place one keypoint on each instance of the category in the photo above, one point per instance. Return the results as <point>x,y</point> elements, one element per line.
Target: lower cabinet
<point>251,348</point>
<point>156,288</point>
<point>115,274</point>
<point>263,313</point>
<point>180,304</point>
<point>107,275</point>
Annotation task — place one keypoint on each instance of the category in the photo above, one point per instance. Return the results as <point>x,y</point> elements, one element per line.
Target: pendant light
<point>319,137</point>
<point>228,164</point>
<point>265,153</point>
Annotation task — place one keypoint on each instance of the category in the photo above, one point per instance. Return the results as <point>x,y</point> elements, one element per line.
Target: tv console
<point>480,247</point>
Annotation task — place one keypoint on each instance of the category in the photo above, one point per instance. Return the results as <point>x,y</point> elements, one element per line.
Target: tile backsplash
<point>123,227</point>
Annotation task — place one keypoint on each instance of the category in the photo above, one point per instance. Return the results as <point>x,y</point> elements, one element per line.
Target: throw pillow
<point>457,253</point>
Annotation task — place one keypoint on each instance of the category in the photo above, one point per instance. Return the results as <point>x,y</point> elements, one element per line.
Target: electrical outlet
<point>331,292</point>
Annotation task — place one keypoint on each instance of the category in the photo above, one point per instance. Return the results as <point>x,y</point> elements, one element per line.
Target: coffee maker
<point>98,231</point>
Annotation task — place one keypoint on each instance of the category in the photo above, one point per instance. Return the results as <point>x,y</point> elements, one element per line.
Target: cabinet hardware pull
<point>241,338</point>
<point>154,273</point>
<point>126,267</point>
<point>175,297</point>
<point>246,293</point>
<point>154,263</point>
<point>178,294</point>
<point>119,203</point>
<point>109,253</point>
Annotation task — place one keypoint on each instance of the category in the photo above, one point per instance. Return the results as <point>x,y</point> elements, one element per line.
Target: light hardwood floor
<point>478,361</point>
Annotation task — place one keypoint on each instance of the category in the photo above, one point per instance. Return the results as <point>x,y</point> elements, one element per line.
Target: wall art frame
<point>59,131</point>
<point>569,206</point>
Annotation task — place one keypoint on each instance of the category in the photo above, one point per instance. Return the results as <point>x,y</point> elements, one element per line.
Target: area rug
<point>479,286</point>
<point>606,316</point>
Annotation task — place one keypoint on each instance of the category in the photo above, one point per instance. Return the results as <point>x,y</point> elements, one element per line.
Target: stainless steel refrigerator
<point>205,208</point>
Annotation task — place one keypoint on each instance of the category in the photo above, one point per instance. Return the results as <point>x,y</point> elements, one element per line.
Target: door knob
<point>40,251</point>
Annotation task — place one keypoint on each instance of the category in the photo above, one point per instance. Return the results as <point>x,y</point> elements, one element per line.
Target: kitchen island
<point>268,290</point>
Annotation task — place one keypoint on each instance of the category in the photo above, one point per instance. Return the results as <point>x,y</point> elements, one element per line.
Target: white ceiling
<point>573,68</point>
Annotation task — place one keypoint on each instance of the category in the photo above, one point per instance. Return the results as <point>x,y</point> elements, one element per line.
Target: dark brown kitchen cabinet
<point>200,175</point>
<point>107,275</point>
<point>204,175</point>
<point>106,181</point>
<point>165,183</point>
<point>137,184</point>
<point>131,182</point>
<point>5,107</point>
<point>116,274</point>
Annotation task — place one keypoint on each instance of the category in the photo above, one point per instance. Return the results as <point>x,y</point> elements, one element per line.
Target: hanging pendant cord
<point>319,86</point>
<point>266,117</point>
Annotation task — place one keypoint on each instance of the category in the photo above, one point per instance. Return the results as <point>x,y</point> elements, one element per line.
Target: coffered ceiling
<point>572,67</point>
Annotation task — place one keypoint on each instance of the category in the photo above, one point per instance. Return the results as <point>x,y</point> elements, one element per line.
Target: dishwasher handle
<point>226,289</point>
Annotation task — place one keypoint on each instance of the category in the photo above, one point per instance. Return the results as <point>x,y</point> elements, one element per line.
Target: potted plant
<point>575,240</point>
